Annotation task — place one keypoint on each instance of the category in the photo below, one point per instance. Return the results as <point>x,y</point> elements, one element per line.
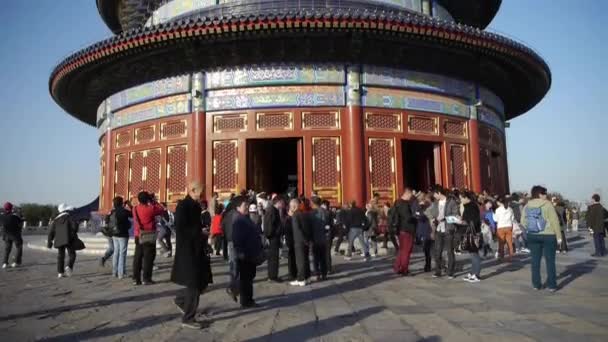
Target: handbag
<point>261,258</point>
<point>472,241</point>
<point>145,236</point>
<point>78,244</point>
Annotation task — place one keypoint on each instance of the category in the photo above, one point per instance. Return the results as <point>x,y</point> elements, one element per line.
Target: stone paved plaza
<point>361,302</point>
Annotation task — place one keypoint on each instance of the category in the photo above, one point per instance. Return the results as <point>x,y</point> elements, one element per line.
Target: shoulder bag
<point>145,236</point>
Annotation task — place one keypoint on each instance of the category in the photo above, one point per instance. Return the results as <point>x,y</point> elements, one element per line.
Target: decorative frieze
<point>269,97</point>
<point>402,99</point>
<point>275,75</point>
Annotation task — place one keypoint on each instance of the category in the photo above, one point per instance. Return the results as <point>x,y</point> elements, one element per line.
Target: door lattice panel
<point>136,173</point>
<point>459,172</point>
<point>326,166</point>
<point>177,166</point>
<point>145,134</point>
<point>484,164</point>
<point>225,166</point>
<point>229,123</point>
<point>123,139</point>
<point>329,120</point>
<point>382,167</point>
<point>121,176</point>
<point>383,122</point>
<point>424,125</point>
<point>274,121</point>
<point>173,129</point>
<point>152,182</point>
<point>455,128</point>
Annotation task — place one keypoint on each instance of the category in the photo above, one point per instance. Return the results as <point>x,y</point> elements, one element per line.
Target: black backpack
<point>112,227</point>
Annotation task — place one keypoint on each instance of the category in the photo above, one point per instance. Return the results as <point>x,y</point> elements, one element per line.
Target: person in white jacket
<point>504,218</point>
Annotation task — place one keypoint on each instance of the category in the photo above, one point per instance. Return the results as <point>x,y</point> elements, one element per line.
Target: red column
<point>474,152</point>
<point>108,172</point>
<point>352,160</point>
<point>198,147</point>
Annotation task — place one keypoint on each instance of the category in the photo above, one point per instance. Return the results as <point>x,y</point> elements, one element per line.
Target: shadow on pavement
<point>58,310</point>
<point>318,328</point>
<point>572,272</point>
<point>99,331</point>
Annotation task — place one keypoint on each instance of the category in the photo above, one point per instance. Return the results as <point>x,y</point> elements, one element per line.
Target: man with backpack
<point>596,214</point>
<point>118,226</point>
<point>544,235</point>
<point>358,224</point>
<point>11,235</point>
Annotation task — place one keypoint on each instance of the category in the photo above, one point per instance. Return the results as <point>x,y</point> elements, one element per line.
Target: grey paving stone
<point>361,302</point>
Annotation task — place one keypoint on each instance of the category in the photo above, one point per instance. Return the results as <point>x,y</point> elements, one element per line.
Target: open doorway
<point>273,165</point>
<point>421,164</point>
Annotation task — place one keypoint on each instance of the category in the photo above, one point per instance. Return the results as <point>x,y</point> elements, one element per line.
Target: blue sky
<point>49,157</point>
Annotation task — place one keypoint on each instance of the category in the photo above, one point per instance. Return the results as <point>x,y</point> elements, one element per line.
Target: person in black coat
<point>404,221</point>
<point>273,230</point>
<point>191,266</point>
<point>302,235</point>
<point>292,267</point>
<point>471,218</point>
<point>248,247</point>
<point>320,229</point>
<point>11,235</point>
<point>62,234</point>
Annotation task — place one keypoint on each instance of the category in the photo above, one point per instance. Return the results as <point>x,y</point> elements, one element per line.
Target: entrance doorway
<point>421,164</point>
<point>274,165</point>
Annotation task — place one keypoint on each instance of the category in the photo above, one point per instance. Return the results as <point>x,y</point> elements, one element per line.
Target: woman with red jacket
<point>217,234</point>
<point>145,251</point>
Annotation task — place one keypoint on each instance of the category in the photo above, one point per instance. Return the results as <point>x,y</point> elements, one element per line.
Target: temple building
<point>344,98</point>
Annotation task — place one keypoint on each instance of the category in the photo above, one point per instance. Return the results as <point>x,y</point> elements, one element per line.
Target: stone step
<point>96,244</point>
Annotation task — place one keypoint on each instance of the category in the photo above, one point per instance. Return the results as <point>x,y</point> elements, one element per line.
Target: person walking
<point>329,234</point>
<point>404,221</point>
<point>575,215</point>
<point>248,247</point>
<point>342,224</point>
<point>596,215</point>
<point>371,233</point>
<point>12,224</point>
<point>561,215</point>
<point>544,234</point>
<point>191,266</point>
<point>217,234</point>
<point>446,211</point>
<point>471,217</point>
<point>228,218</point>
<point>358,223</point>
<point>320,228</point>
<point>424,229</point>
<point>292,267</point>
<point>144,215</point>
<point>505,219</point>
<point>389,232</point>
<point>62,234</point>
<point>118,226</point>
<point>302,237</point>
<point>273,231</point>
<point>164,224</point>
<point>106,231</point>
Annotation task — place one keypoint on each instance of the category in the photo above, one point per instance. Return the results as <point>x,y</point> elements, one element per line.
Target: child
<point>486,232</point>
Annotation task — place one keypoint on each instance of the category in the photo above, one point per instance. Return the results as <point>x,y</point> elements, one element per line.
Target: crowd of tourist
<point>250,229</point>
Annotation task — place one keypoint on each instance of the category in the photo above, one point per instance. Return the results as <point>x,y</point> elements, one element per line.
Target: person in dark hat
<point>12,235</point>
<point>191,265</point>
<point>273,230</point>
<point>62,234</point>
